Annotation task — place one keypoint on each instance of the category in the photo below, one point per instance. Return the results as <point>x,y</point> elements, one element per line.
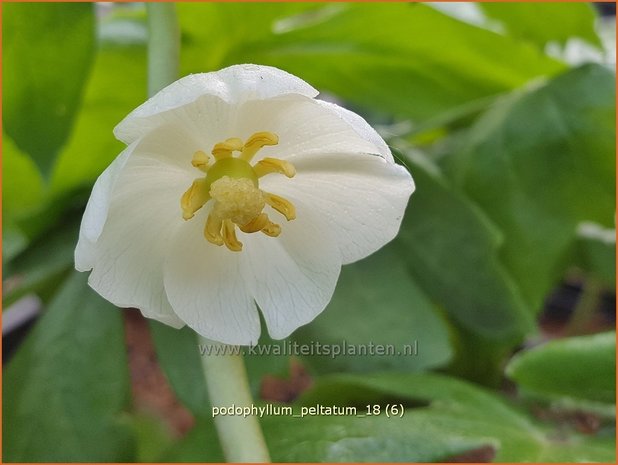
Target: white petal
<point>176,141</point>
<point>306,126</point>
<point>293,276</point>
<point>96,211</point>
<point>233,85</point>
<point>362,198</point>
<point>362,128</point>
<point>204,285</point>
<point>127,258</point>
<point>98,204</point>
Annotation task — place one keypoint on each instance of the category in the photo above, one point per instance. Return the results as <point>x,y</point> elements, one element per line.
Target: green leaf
<point>153,436</point>
<point>109,97</point>
<point>479,358</point>
<point>451,251</point>
<point>179,357</point>
<point>14,241</point>
<point>541,23</point>
<point>578,368</point>
<point>200,445</point>
<point>407,325</point>
<point>443,407</point>
<point>22,188</point>
<point>39,268</point>
<point>408,60</point>
<point>334,439</point>
<point>540,162</point>
<point>26,198</point>
<point>46,56</point>
<point>91,147</point>
<point>66,387</point>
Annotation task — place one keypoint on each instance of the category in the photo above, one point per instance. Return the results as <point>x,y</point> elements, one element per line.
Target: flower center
<point>232,184</point>
<point>236,199</point>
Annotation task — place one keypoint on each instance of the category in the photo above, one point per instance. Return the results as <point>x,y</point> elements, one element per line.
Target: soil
<point>151,390</point>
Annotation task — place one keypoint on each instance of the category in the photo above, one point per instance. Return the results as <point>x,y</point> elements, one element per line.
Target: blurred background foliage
<point>504,114</point>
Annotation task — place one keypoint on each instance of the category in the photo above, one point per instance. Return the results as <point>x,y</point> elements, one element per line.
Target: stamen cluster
<point>231,183</point>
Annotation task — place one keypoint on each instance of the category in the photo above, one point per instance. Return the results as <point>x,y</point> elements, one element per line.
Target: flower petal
<point>232,85</point>
<point>127,259</point>
<point>97,210</point>
<point>98,204</point>
<point>362,127</point>
<point>205,286</point>
<point>292,277</point>
<point>176,141</point>
<point>361,197</point>
<point>307,126</point>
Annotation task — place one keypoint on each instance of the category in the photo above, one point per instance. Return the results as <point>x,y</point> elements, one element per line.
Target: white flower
<point>238,188</point>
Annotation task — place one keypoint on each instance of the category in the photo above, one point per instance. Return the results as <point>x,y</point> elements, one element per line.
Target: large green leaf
<point>579,368</point>
<point>405,59</point>
<point>179,356</point>
<point>66,388</point>
<point>440,407</point>
<point>335,439</point>
<point>27,203</point>
<point>47,50</point>
<point>109,97</point>
<point>117,85</point>
<point>451,250</point>
<point>541,23</point>
<point>377,305</point>
<point>540,162</point>
<point>22,185</point>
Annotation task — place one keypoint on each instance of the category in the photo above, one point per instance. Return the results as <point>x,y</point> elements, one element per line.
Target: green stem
<point>163,45</point>
<point>226,378</point>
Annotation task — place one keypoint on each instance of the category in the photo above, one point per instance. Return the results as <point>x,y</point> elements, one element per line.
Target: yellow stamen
<point>280,204</point>
<point>257,224</point>
<point>200,161</point>
<point>212,231</point>
<point>194,198</point>
<point>256,142</point>
<point>272,229</point>
<point>274,165</point>
<point>225,149</point>
<point>229,236</point>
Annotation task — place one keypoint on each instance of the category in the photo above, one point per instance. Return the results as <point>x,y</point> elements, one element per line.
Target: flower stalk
<point>163,45</point>
<point>226,378</point>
